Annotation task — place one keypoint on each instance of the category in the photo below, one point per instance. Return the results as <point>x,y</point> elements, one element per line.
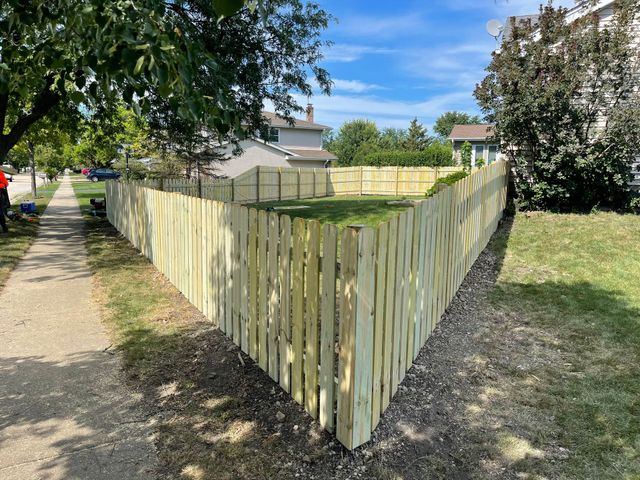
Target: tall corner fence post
<point>279,183</point>
<point>356,325</point>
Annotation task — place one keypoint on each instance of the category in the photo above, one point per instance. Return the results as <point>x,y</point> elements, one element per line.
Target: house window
<point>493,153</point>
<point>478,152</point>
<point>274,135</point>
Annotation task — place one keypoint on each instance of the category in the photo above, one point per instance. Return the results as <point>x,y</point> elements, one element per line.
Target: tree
<point>104,133</point>
<point>445,122</point>
<point>392,138</point>
<point>350,137</point>
<point>364,150</point>
<point>201,57</point>
<point>417,138</point>
<point>565,100</point>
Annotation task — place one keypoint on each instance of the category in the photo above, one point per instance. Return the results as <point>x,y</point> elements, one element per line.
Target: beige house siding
<point>256,154</point>
<point>300,138</point>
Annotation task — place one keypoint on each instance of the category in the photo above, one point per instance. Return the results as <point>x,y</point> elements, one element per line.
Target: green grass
<point>85,191</point>
<point>136,303</point>
<point>22,233</point>
<point>573,281</point>
<point>341,210</point>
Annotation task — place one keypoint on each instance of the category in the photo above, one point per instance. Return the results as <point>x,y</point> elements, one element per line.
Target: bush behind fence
<point>274,284</point>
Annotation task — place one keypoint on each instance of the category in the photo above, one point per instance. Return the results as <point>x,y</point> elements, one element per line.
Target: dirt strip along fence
<point>338,334</point>
<point>265,184</point>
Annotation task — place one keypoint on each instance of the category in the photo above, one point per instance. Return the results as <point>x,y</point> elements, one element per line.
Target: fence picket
<point>327,325</point>
<point>311,317</point>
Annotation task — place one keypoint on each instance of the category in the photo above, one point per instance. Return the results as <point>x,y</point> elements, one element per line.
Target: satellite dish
<point>495,28</point>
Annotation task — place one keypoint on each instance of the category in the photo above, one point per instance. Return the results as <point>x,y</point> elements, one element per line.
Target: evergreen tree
<point>417,138</point>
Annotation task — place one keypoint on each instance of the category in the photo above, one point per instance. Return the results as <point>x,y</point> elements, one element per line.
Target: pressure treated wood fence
<point>338,334</point>
<point>264,184</point>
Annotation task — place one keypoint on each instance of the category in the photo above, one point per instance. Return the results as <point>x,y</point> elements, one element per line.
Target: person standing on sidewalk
<point>4,201</point>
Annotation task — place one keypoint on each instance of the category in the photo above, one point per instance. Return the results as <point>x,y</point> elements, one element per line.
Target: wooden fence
<point>265,184</point>
<point>273,283</point>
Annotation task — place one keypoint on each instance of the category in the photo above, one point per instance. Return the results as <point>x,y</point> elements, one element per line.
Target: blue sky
<point>392,61</point>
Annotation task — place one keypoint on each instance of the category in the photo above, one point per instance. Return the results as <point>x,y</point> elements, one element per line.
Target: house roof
<point>296,153</point>
<point>473,132</point>
<point>307,154</point>
<point>277,121</point>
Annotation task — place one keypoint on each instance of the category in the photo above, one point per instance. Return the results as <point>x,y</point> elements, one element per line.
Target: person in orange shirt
<point>4,199</point>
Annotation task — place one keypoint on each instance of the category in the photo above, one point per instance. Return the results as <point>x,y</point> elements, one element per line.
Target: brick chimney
<point>310,113</point>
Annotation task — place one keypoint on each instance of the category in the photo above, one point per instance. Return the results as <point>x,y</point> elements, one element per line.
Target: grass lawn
<point>572,281</point>
<point>341,210</point>
<point>22,233</point>
<point>85,191</point>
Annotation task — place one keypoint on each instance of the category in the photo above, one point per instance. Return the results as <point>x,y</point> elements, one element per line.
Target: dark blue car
<point>97,174</point>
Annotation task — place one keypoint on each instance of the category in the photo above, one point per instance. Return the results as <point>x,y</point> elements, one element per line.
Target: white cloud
<point>380,27</point>
<point>337,109</point>
<point>354,86</point>
<point>344,52</point>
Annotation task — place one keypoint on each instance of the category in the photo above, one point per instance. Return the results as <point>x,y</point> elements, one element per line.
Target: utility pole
<point>32,163</point>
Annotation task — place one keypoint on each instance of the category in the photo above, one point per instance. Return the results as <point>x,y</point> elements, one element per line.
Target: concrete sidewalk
<point>64,411</point>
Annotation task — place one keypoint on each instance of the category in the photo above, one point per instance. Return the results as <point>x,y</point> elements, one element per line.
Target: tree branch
<point>43,103</point>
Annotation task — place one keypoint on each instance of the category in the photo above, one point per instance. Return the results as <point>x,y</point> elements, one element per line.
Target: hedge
<point>432,156</point>
<point>448,180</point>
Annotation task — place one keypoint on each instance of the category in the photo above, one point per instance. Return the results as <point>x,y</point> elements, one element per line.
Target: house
<point>298,145</point>
<point>484,145</point>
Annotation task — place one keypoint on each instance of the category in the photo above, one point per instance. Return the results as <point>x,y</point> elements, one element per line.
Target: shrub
<point>448,180</point>
<point>465,155</point>
<point>435,155</point>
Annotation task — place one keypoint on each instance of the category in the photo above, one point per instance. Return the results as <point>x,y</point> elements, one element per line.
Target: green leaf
<point>139,65</point>
<point>76,97</point>
<point>226,8</point>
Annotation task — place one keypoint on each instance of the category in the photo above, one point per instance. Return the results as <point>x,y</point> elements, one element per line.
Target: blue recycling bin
<point>28,207</point>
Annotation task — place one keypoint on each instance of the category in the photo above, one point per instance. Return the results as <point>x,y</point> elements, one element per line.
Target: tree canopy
<point>359,142</point>
<point>445,122</point>
<point>211,63</point>
<point>565,100</point>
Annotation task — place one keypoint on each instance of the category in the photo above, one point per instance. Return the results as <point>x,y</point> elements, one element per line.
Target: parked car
<point>9,177</point>
<point>97,174</point>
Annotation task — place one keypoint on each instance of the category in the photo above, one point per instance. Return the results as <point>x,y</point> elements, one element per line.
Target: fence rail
<point>274,284</point>
<point>265,184</point>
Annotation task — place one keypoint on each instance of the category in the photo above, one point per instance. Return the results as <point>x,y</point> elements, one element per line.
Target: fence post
<point>233,189</point>
<point>357,280</point>
<point>397,175</point>
<point>361,170</point>
<point>299,180</point>
<point>314,183</point>
<point>280,183</point>
<point>258,184</point>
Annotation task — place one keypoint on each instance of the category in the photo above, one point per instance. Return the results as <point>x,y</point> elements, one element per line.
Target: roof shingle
<point>472,132</point>
<point>276,121</point>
